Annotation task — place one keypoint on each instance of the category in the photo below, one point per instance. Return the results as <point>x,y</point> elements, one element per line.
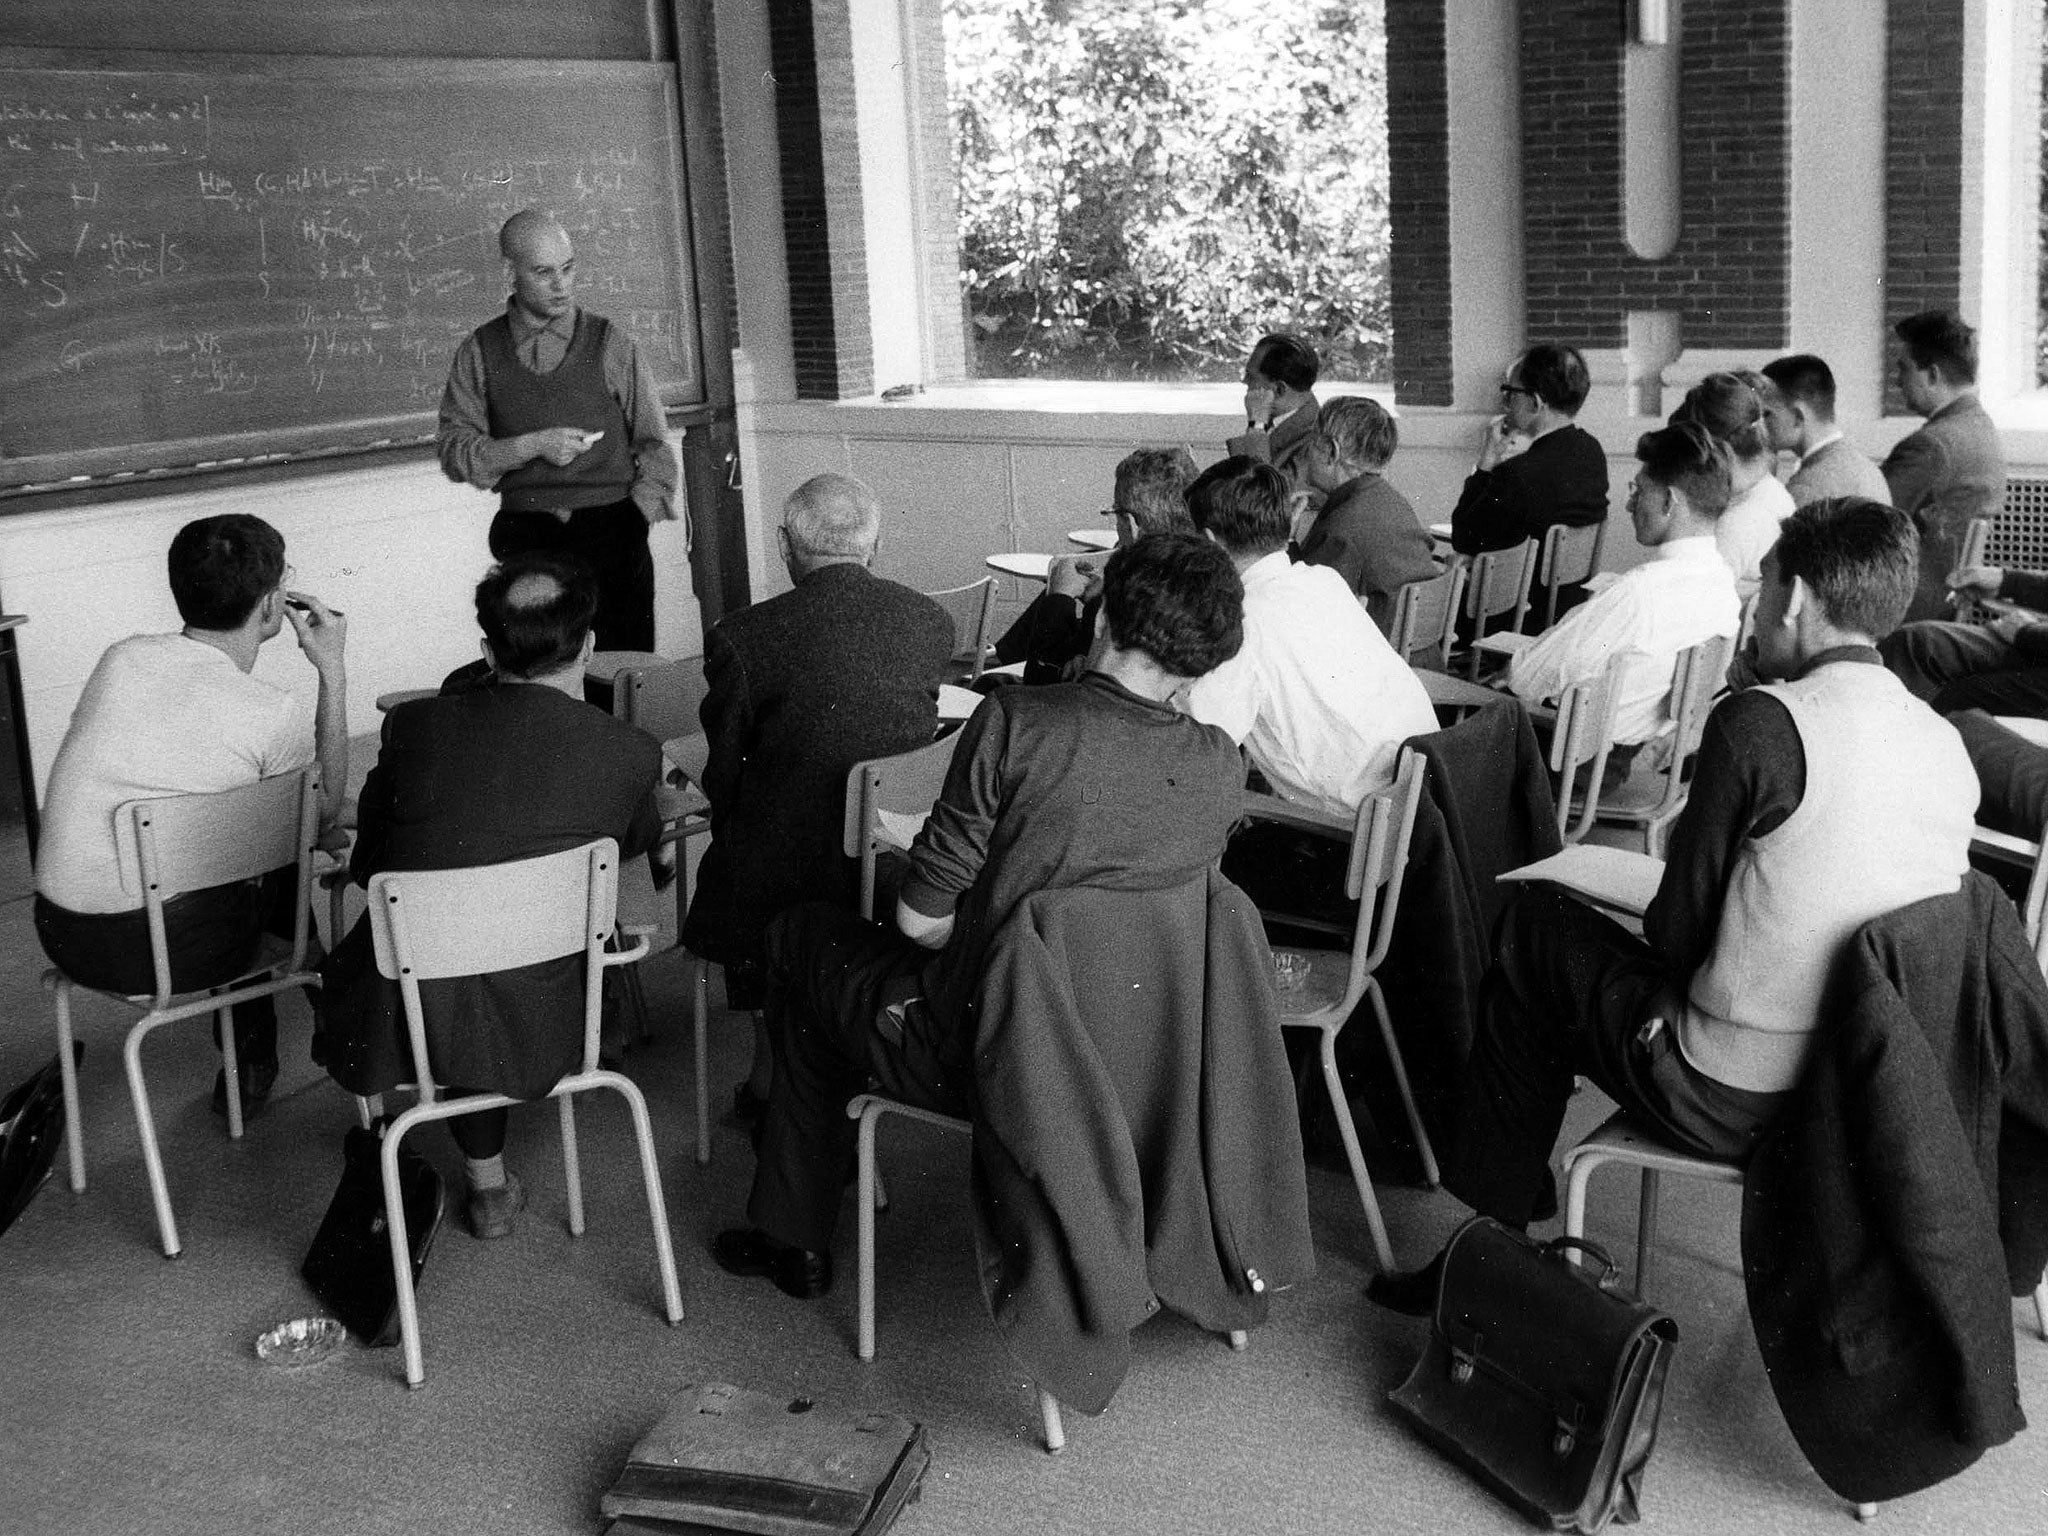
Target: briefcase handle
<point>1610,1272</point>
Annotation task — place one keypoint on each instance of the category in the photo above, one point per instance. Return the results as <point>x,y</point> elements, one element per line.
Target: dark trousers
<point>1965,666</point>
<point>831,977</point>
<point>1572,992</point>
<point>212,936</point>
<point>612,541</point>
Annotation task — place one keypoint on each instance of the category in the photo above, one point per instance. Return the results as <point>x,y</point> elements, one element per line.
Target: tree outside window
<point>1147,186</point>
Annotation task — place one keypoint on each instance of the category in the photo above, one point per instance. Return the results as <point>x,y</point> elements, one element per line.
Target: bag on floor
<point>31,1130</point>
<point>349,1264</point>
<point>1542,1376</point>
<point>726,1459</point>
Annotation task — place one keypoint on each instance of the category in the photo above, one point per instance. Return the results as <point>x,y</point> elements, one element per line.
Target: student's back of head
<point>222,567</point>
<point>1860,560</point>
<point>1731,408</point>
<point>536,613</point>
<point>1177,598</point>
<point>1242,504</point>
<point>1151,489</point>
<point>1941,340</point>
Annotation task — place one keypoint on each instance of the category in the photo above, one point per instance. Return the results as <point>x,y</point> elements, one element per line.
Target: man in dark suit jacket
<point>843,667</point>
<point>1366,532</point>
<point>1953,468</point>
<point>1280,406</point>
<point>510,770</point>
<point>1536,467</point>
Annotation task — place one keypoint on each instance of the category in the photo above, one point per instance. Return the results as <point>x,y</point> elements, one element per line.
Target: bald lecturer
<point>553,408</point>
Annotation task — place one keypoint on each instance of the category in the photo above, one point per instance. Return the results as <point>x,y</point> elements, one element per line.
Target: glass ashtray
<point>1290,971</point>
<point>301,1342</point>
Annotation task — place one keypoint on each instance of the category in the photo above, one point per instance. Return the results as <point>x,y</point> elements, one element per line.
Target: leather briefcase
<point>1542,1376</point>
<point>349,1264</point>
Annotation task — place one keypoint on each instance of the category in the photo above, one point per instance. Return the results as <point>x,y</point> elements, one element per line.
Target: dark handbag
<point>31,1129</point>
<point>349,1264</point>
<point>1542,1376</point>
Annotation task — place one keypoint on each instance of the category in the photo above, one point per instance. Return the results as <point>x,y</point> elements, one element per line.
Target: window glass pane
<point>1147,186</point>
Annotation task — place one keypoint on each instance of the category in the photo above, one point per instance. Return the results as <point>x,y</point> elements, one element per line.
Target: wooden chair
<point>1567,555</point>
<point>1496,586</point>
<point>1651,799</point>
<point>1426,617</point>
<point>1339,979</point>
<point>1583,738</point>
<point>429,924</point>
<point>906,785</point>
<point>973,611</point>
<point>192,843</point>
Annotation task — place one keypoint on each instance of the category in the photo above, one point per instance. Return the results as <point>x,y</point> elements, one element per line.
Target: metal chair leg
<point>401,1250</point>
<point>700,1002</point>
<point>145,1127</point>
<point>1382,1249</point>
<point>1049,1417</point>
<point>572,1162</point>
<point>67,1067</point>
<point>1646,1227</point>
<point>231,1065</point>
<point>1386,1023</point>
<point>864,1203</point>
<point>650,1175</point>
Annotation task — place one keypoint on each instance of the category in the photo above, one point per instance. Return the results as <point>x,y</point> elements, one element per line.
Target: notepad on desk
<point>1614,878</point>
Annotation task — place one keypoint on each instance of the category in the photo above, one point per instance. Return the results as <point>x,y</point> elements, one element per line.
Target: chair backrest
<point>1426,616</point>
<point>1584,737</point>
<point>191,842</point>
<point>1701,674</point>
<point>906,785</point>
<point>426,924</point>
<point>663,700</point>
<point>1378,866</point>
<point>973,611</point>
<point>1499,583</point>
<point>1568,555</point>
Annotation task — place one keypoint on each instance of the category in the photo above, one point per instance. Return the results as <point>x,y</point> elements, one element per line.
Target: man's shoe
<point>490,1211</point>
<point>258,1078</point>
<point>1411,1292</point>
<point>796,1272</point>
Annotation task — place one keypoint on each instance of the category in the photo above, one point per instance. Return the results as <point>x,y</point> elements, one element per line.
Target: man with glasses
<point>1535,467</point>
<point>182,714</point>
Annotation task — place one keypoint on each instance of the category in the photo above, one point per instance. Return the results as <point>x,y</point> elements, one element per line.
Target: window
<point>1146,186</point>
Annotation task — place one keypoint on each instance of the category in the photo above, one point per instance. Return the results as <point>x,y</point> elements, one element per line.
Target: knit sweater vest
<point>574,395</point>
<point>1885,821</point>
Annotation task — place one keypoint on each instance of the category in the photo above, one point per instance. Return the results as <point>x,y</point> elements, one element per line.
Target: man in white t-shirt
<point>177,714</point>
<point>1683,594</point>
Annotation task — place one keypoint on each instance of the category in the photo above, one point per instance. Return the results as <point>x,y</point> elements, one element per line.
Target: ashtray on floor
<point>301,1342</point>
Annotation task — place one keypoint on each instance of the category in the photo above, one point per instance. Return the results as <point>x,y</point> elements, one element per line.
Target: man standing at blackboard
<point>552,407</point>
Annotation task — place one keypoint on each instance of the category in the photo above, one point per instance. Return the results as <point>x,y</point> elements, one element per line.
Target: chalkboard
<point>225,259</point>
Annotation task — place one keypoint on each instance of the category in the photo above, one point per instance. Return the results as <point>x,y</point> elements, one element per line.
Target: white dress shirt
<point>1681,595</point>
<point>1316,696</point>
<point>1749,528</point>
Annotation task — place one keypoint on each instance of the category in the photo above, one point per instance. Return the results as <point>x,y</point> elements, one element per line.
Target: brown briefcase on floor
<point>723,1459</point>
<point>1542,1376</point>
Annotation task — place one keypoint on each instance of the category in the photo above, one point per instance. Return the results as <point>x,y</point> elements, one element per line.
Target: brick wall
<point>1419,199</point>
<point>811,53</point>
<point>1729,276</point>
<point>1923,161</point>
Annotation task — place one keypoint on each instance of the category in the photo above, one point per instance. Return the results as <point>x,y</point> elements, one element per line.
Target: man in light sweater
<point>1823,797</point>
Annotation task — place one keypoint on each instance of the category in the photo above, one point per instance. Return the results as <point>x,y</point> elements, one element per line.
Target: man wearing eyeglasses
<point>1536,467</point>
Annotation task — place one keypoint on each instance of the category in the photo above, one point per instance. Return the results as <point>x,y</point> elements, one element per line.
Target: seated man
<point>1052,635</point>
<point>181,714</point>
<point>1799,408</point>
<point>1366,532</point>
<point>1097,782</point>
<point>513,769</point>
<point>1700,1028</point>
<point>2000,667</point>
<point>1953,469</point>
<point>1683,594</point>
<point>1536,467</point>
<point>1280,406</point>
<point>843,667</point>
<point>1316,696</point>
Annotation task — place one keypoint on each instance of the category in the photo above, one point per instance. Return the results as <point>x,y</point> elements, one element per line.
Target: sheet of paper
<point>899,828</point>
<point>1616,878</point>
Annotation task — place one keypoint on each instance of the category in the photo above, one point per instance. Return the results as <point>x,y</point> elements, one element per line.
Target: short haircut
<point>535,610</point>
<point>832,517</point>
<point>222,567</point>
<point>1177,598</point>
<point>1731,408</point>
<point>1685,457</point>
<point>1859,558</point>
<point>1806,379</point>
<point>1940,339</point>
<point>1243,503</point>
<point>517,234</point>
<point>1152,486</point>
<point>1362,430</point>
<point>1557,375</point>
<point>1288,359</point>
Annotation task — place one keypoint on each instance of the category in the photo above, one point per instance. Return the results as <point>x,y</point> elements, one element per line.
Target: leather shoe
<point>797,1272</point>
<point>258,1078</point>
<point>490,1211</point>
<point>1412,1292</point>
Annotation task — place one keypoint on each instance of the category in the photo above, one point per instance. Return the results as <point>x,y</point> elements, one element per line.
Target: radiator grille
<point>2020,536</point>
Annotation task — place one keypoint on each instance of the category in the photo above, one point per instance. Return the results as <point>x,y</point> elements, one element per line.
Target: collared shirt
<point>1681,595</point>
<point>1745,532</point>
<point>160,715</point>
<point>1827,442</point>
<point>1316,696</point>
<point>464,433</point>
